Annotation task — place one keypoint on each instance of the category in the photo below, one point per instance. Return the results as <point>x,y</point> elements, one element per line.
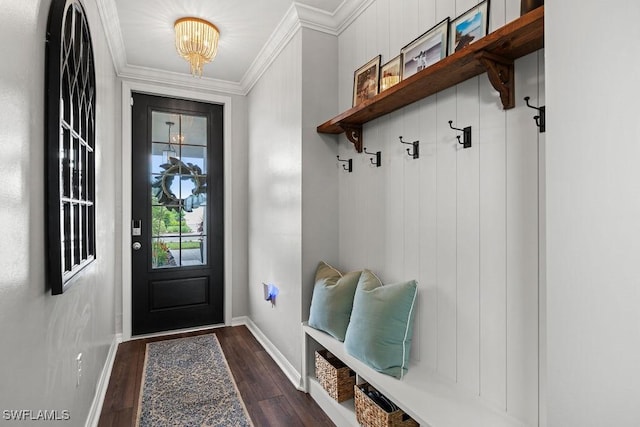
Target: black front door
<point>177,209</point>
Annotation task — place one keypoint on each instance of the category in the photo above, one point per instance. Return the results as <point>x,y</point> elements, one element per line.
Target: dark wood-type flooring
<point>270,398</point>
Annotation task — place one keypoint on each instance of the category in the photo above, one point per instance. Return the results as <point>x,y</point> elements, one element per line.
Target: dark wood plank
<point>279,412</point>
<point>305,407</point>
<point>269,396</point>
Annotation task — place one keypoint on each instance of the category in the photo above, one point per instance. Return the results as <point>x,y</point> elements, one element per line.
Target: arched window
<point>70,140</point>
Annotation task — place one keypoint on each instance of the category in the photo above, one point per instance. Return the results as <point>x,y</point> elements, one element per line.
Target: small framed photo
<point>426,50</point>
<point>391,73</point>
<point>365,81</point>
<point>469,27</point>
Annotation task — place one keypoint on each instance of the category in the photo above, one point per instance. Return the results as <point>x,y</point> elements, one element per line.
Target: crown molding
<point>349,11</point>
<point>281,36</point>
<point>111,23</point>
<point>301,16</point>
<point>335,22</point>
<point>153,75</point>
<point>297,16</point>
<point>316,19</point>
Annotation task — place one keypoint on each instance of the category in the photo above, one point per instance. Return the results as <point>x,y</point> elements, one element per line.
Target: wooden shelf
<point>493,54</point>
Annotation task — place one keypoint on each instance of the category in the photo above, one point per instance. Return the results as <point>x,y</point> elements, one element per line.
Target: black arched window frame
<point>70,144</point>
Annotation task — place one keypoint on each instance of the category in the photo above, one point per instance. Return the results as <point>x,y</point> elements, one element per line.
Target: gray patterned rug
<point>187,382</point>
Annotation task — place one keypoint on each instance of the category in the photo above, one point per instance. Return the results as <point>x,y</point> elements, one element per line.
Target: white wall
<point>275,199</point>
<point>292,185</point>
<point>593,206</point>
<point>319,180</point>
<point>240,209</point>
<point>42,334</point>
<point>464,223</point>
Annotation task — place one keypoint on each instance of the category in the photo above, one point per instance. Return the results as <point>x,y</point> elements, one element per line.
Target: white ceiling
<point>142,37</point>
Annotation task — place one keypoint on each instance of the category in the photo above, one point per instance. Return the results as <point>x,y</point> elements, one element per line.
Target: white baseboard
<point>287,368</point>
<point>103,384</point>
<point>237,321</point>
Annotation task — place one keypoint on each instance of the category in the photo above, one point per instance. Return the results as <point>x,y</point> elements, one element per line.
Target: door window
<point>178,183</point>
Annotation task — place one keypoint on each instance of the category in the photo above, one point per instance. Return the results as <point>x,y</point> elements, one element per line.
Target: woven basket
<point>334,376</point>
<point>369,414</point>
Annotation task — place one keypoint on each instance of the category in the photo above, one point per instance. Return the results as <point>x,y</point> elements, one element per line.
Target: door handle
<point>136,246</point>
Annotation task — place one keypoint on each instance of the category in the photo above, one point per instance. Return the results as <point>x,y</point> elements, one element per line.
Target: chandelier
<point>169,152</point>
<point>196,42</point>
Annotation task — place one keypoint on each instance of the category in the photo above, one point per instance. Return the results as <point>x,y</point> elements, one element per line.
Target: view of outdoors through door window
<point>178,190</point>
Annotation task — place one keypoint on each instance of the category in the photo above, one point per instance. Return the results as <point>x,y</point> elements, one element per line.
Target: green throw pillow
<point>381,326</point>
<point>332,300</point>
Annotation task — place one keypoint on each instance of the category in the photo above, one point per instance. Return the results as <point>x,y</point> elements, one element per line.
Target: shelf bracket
<point>353,134</point>
<point>501,74</point>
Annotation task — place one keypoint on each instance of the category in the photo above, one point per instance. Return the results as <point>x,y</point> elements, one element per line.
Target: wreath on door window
<point>176,168</point>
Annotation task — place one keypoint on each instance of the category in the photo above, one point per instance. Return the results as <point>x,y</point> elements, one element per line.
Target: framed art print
<point>365,81</point>
<point>426,50</point>
<point>469,27</point>
<point>391,73</point>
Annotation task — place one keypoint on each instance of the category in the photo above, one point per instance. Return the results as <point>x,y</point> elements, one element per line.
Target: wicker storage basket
<point>334,376</point>
<point>369,414</point>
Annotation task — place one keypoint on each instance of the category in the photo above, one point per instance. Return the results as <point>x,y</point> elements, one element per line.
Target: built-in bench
<point>428,398</point>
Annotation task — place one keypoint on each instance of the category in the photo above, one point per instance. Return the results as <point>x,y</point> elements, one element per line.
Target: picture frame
<point>426,50</point>
<point>391,73</point>
<point>469,27</point>
<point>366,81</point>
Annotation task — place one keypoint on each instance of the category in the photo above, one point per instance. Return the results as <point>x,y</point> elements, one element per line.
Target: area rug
<point>187,382</point>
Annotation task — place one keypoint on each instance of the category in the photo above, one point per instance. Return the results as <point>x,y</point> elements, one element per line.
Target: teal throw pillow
<point>381,326</point>
<point>332,300</point>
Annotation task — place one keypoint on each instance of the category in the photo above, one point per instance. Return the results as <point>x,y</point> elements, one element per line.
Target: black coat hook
<point>416,148</point>
<point>378,154</point>
<point>349,162</point>
<point>466,135</point>
<point>540,118</point>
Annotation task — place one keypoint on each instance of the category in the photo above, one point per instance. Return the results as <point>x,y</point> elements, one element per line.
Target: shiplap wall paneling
<point>446,222</point>
<point>393,228</point>
<point>427,330</point>
<point>522,249</point>
<point>396,32</point>
<point>463,222</point>
<point>497,15</point>
<point>344,76</point>
<point>411,221</point>
<point>410,186</point>
<point>374,179</point>
<point>446,262</point>
<point>348,210</point>
<point>512,9</point>
<point>492,226</point>
<point>493,237</point>
<point>468,309</point>
<point>410,28</point>
<point>542,261</point>
<point>382,29</point>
